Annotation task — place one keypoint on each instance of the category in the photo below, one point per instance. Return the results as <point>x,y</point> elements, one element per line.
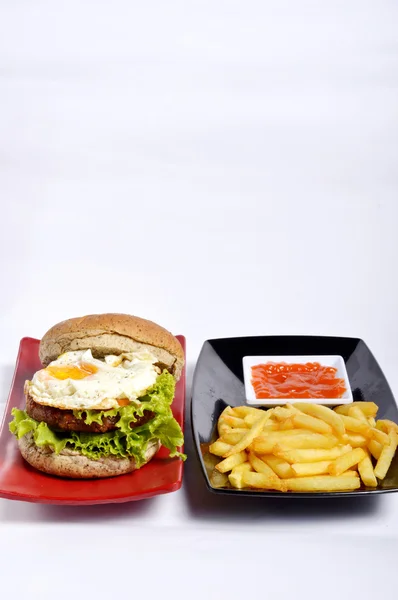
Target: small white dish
<point>325,360</point>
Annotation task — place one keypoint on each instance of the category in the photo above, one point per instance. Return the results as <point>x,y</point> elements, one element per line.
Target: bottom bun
<point>71,464</point>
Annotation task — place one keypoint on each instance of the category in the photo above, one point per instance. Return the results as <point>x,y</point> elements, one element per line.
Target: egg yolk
<point>72,372</point>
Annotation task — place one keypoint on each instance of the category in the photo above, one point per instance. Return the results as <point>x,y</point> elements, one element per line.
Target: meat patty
<point>64,420</point>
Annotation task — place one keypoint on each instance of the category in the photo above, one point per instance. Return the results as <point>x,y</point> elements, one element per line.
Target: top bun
<point>112,333</point>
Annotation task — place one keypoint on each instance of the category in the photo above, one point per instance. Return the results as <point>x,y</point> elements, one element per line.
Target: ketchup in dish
<point>283,380</point>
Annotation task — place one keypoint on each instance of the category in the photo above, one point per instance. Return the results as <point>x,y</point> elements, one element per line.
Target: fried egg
<point>77,380</point>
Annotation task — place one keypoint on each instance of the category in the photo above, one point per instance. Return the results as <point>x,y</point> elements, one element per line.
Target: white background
<point>224,168</point>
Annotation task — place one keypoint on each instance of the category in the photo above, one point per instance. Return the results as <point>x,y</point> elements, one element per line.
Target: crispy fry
<point>356,425</point>
<point>308,469</point>
<point>356,440</point>
<point>386,425</point>
<point>249,436</point>
<point>346,461</point>
<point>287,424</point>
<point>375,448</point>
<point>263,481</point>
<point>243,411</point>
<point>366,472</point>
<point>269,424</point>
<point>260,466</point>
<point>219,448</point>
<point>356,412</point>
<point>312,423</point>
<point>233,436</point>
<point>246,466</point>
<point>217,479</point>
<point>314,455</point>
<point>236,480</point>
<point>235,422</point>
<point>323,483</point>
<point>368,408</point>
<point>386,456</point>
<point>281,413</point>
<point>303,447</point>
<point>232,461</point>
<point>325,414</point>
<point>308,440</point>
<point>379,436</point>
<point>281,467</point>
<point>235,477</point>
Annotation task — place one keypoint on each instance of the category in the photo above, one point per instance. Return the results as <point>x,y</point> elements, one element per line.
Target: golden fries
<point>235,477</point>
<point>307,469</point>
<point>325,414</point>
<point>233,436</point>
<point>346,461</point>
<point>249,436</point>
<point>219,448</point>
<point>379,436</point>
<point>279,466</point>
<point>323,483</point>
<point>386,456</point>
<point>217,479</point>
<point>366,472</point>
<point>235,422</point>
<point>355,412</point>
<point>312,423</point>
<point>301,448</point>
<point>356,440</point>
<point>232,461</point>
<point>356,425</point>
<point>264,481</point>
<point>375,449</point>
<point>369,409</point>
<point>314,454</point>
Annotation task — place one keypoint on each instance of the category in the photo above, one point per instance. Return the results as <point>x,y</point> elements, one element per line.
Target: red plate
<point>20,481</point>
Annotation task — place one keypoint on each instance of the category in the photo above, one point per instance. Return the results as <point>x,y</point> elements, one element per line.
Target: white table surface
<point>223,168</point>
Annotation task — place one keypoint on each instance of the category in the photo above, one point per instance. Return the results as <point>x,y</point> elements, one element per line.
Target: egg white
<point>117,377</point>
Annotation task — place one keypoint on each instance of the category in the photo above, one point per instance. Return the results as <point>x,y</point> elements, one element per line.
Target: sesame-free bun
<point>112,333</point>
<point>73,465</point>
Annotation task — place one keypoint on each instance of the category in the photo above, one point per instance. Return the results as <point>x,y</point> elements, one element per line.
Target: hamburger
<point>100,407</point>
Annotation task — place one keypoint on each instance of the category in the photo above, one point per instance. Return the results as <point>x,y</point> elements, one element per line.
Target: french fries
<point>366,472</point>
<point>325,414</point>
<point>323,483</point>
<point>219,448</point>
<point>386,456</point>
<point>264,481</point>
<point>278,441</point>
<point>312,423</point>
<point>317,468</point>
<point>249,436</point>
<point>346,461</point>
<point>369,409</point>
<point>314,454</point>
<point>355,425</point>
<point>302,448</point>
<point>375,449</point>
<point>279,466</point>
<point>356,440</point>
<point>232,461</point>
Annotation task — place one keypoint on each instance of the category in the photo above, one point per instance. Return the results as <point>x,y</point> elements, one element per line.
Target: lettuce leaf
<point>124,441</point>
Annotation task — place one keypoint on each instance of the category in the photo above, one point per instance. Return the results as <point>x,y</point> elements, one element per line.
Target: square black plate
<point>218,382</point>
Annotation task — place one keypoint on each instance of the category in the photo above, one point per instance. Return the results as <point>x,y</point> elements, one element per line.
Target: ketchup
<point>310,380</point>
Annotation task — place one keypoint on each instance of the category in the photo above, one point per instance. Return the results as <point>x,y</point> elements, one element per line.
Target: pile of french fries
<point>303,447</point>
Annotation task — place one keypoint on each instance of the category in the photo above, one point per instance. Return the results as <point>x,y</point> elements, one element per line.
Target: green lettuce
<point>124,441</point>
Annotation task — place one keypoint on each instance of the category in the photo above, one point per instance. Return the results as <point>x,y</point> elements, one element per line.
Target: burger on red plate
<point>100,407</point>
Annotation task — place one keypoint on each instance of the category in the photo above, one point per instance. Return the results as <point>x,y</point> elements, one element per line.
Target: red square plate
<point>20,481</point>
